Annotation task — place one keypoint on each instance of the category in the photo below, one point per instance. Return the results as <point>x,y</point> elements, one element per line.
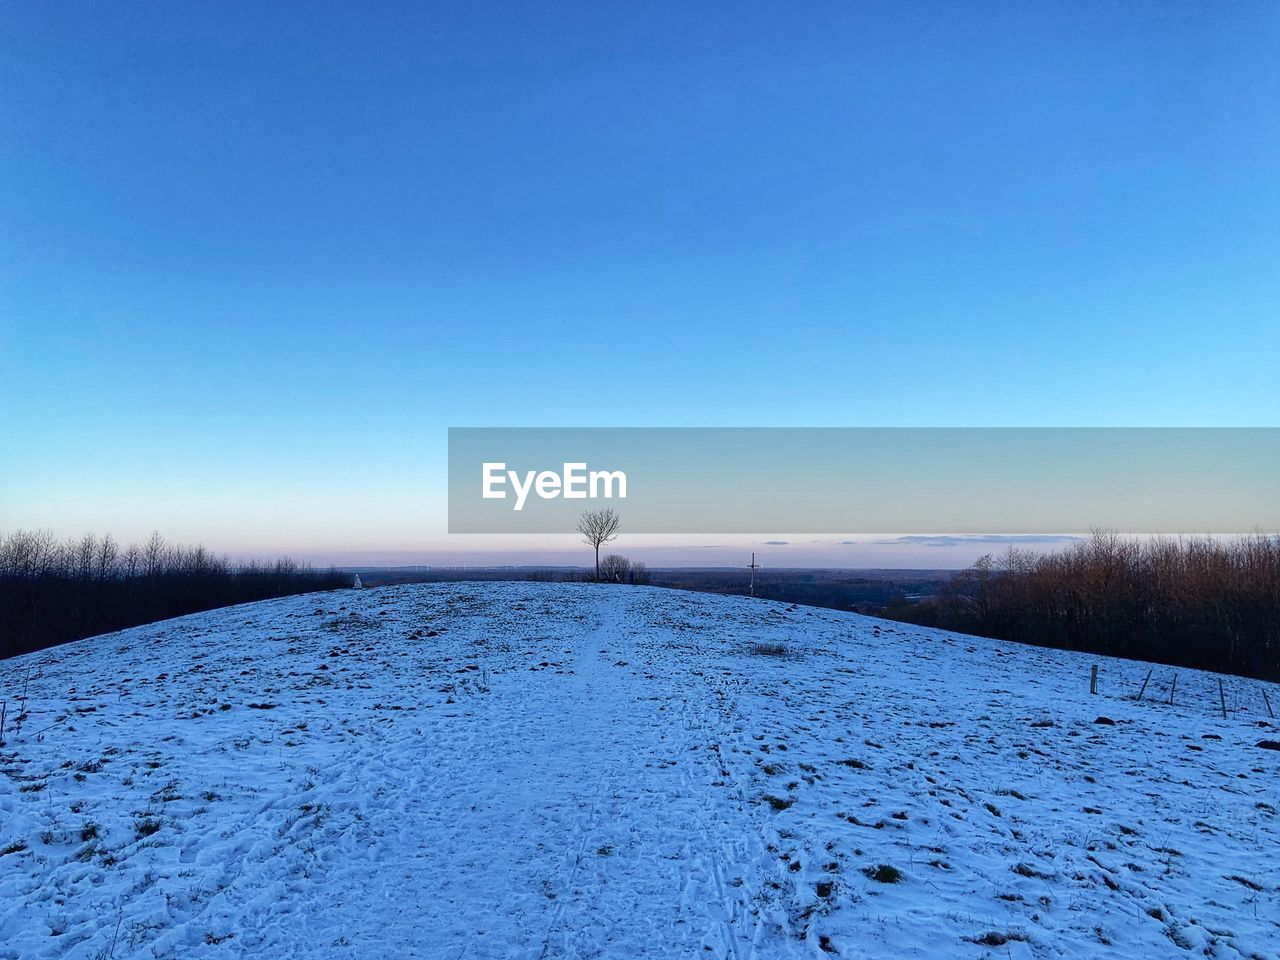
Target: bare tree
<point>598,527</point>
<point>104,561</point>
<point>132,561</point>
<point>82,553</point>
<point>153,555</point>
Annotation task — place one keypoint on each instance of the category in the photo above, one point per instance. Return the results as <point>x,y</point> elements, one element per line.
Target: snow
<point>537,770</point>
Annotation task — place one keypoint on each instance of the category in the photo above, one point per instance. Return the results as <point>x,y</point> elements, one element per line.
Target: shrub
<point>883,873</point>
<point>769,649</point>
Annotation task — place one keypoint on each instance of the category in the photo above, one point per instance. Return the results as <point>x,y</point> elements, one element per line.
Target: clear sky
<point>256,258</point>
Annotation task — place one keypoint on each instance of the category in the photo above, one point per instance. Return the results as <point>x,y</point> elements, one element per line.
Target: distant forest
<point>1198,602</point>
<point>52,591</point>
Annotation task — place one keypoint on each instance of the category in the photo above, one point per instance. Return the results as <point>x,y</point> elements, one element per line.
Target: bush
<point>769,650</point>
<point>614,568</point>
<point>618,569</point>
<point>883,873</point>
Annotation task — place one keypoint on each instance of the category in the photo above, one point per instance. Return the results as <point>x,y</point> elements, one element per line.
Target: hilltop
<point>574,770</point>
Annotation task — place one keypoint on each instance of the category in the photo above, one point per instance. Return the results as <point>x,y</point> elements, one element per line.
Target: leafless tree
<point>131,561</point>
<point>599,527</point>
<point>104,560</point>
<point>153,555</point>
<point>83,552</point>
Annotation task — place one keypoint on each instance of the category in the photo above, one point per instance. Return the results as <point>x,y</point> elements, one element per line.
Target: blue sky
<point>255,259</point>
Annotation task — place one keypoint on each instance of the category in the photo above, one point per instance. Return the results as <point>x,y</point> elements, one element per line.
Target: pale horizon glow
<point>861,552</point>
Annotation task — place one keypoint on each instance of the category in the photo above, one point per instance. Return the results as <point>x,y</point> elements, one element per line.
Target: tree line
<point>52,590</point>
<point>1199,602</point>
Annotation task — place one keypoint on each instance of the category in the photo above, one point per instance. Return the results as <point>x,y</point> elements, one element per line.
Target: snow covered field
<point>536,771</point>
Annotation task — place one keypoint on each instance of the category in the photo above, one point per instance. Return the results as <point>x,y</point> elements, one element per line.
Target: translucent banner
<point>866,480</point>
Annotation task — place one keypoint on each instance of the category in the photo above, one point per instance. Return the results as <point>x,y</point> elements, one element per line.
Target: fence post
<point>1145,682</point>
<point>1093,679</point>
<point>1267,701</point>
<point>1173,688</point>
<point>1222,699</point>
